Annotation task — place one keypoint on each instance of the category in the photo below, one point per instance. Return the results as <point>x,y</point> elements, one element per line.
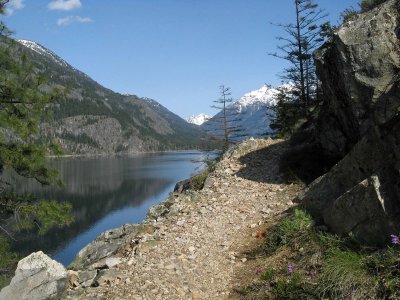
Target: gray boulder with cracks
<point>37,277</point>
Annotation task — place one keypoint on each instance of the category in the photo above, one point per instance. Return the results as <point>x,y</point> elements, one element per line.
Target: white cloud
<point>73,19</point>
<point>64,4</point>
<point>14,5</point>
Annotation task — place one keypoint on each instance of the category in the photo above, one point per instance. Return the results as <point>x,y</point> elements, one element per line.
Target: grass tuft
<point>305,263</point>
<point>344,275</point>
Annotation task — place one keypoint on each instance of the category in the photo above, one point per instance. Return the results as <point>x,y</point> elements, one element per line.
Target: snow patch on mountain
<point>198,120</point>
<point>266,95</point>
<point>152,102</point>
<point>43,51</point>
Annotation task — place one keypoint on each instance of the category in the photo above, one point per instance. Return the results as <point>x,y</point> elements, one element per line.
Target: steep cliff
<point>360,121</point>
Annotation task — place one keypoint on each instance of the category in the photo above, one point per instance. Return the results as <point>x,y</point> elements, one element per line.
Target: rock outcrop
<point>98,254</point>
<point>37,277</point>
<point>359,70</point>
<point>360,121</point>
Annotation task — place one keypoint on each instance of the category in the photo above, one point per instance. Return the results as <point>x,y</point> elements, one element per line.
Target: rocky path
<point>192,246</point>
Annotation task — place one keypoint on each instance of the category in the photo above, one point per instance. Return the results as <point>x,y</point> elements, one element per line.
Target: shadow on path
<point>262,165</point>
<point>285,163</point>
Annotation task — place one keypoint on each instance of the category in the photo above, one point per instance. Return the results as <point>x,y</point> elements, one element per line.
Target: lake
<point>105,193</point>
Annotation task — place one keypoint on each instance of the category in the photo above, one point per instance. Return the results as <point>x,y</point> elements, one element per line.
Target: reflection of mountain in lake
<point>89,208</point>
<point>83,176</point>
<point>98,187</point>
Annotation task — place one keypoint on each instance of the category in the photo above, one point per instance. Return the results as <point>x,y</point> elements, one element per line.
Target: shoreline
<point>103,155</point>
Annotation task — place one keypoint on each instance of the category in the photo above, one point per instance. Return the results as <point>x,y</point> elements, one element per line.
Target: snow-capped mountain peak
<point>266,95</point>
<point>198,120</point>
<point>43,51</point>
<point>253,112</point>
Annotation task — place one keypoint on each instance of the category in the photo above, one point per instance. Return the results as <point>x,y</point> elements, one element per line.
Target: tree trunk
<point>301,62</point>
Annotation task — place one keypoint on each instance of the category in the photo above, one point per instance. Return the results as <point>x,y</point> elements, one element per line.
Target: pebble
<point>180,222</point>
<point>170,267</point>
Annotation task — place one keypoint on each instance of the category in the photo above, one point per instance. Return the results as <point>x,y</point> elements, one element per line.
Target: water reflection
<point>105,193</point>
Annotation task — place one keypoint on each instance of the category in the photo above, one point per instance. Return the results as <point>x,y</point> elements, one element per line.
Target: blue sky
<point>175,51</point>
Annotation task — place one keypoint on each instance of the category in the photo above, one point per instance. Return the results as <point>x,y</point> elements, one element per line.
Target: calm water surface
<point>105,193</point>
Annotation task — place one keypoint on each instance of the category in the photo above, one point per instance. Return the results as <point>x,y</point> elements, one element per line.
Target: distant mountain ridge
<point>254,111</point>
<point>91,119</point>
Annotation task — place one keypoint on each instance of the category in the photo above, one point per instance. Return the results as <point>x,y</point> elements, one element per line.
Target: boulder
<point>37,277</point>
<point>361,213</point>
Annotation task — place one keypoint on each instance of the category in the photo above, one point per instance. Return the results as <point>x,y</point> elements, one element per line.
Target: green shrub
<point>385,266</point>
<point>348,14</point>
<point>367,5</point>
<point>268,274</point>
<point>287,231</point>
<point>8,261</point>
<point>290,287</point>
<point>199,179</point>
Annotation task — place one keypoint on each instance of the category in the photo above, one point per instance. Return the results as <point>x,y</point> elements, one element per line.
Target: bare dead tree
<point>224,125</point>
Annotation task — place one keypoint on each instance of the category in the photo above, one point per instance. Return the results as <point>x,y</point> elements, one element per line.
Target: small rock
<point>196,295</point>
<point>170,267</point>
<point>86,277</point>
<point>266,211</point>
<point>106,277</point>
<point>192,249</point>
<point>73,279</point>
<point>112,262</point>
<point>244,260</point>
<point>180,222</point>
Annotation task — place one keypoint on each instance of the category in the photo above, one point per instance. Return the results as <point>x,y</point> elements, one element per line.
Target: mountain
<point>91,119</point>
<point>198,120</point>
<point>253,111</point>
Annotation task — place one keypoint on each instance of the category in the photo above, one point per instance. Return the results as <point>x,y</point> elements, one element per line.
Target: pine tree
<point>224,125</point>
<point>24,102</point>
<point>284,118</point>
<point>303,37</point>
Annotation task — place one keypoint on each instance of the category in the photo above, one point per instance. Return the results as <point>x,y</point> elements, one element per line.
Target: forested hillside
<point>91,119</point>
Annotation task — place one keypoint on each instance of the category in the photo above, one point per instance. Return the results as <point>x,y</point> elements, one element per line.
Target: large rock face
<point>37,277</point>
<point>359,71</point>
<point>360,121</point>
